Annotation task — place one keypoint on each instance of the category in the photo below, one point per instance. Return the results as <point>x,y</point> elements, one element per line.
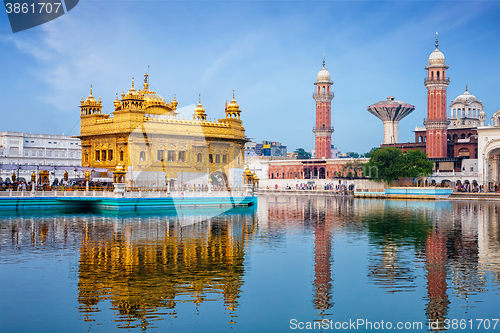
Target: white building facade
<point>27,149</point>
<point>489,153</point>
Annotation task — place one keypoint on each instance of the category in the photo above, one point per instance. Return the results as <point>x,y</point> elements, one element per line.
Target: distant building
<point>266,148</point>
<point>271,148</point>
<point>27,149</point>
<point>335,152</point>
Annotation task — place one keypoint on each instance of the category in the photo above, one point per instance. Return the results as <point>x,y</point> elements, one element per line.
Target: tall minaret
<point>323,129</point>
<point>436,122</point>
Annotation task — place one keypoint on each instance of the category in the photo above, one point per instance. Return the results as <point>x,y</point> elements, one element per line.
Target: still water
<point>290,263</point>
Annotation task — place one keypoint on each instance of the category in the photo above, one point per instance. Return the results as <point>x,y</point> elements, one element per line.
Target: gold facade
<point>145,134</point>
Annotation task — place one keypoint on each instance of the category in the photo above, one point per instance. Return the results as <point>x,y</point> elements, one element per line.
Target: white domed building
<point>466,111</point>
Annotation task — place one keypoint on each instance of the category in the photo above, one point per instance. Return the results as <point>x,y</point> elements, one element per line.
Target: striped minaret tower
<point>437,122</point>
<point>323,128</point>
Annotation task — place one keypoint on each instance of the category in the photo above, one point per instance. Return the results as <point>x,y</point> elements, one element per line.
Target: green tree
<point>353,169</point>
<point>416,164</point>
<point>302,154</point>
<point>386,164</point>
<point>353,154</point>
<point>368,154</point>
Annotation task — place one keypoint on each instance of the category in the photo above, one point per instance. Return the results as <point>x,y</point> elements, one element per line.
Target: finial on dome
<point>233,93</point>
<point>199,98</point>
<point>146,80</point>
<point>437,44</point>
<point>323,60</point>
<point>90,90</point>
<point>465,87</point>
<point>132,82</point>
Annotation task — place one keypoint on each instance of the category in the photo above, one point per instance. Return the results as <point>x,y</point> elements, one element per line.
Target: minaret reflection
<point>322,262</point>
<point>435,264</point>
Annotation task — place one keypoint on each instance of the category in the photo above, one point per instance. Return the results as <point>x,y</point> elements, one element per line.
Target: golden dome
<point>90,99</point>
<point>174,104</point>
<point>132,91</point>
<point>233,105</point>
<point>199,109</point>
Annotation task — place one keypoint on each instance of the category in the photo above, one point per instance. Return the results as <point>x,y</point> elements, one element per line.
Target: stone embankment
<point>475,196</point>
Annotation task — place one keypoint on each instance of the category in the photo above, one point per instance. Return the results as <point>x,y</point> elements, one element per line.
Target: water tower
<point>391,112</point>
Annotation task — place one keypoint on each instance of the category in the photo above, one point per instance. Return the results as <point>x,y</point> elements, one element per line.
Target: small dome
<point>233,105</point>
<point>199,109</point>
<point>91,98</point>
<point>465,98</point>
<point>174,104</point>
<point>436,58</point>
<point>323,75</point>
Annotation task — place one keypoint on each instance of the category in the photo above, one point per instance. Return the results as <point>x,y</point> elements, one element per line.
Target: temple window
<point>171,155</point>
<point>103,155</point>
<point>110,155</point>
<point>224,159</point>
<point>182,156</point>
<point>142,156</point>
<point>97,155</point>
<point>86,157</point>
<point>160,155</point>
<point>217,158</point>
<point>121,155</point>
<point>437,75</point>
<point>210,158</point>
<point>199,158</point>
<point>323,90</point>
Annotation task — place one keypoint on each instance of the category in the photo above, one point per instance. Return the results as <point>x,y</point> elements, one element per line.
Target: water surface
<point>288,263</point>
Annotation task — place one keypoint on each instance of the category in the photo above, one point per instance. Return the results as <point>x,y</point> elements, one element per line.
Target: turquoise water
<point>287,264</point>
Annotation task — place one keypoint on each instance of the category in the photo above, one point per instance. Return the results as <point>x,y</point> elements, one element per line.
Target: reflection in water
<point>435,254</point>
<point>143,267</point>
<point>151,266</point>
<point>397,232</point>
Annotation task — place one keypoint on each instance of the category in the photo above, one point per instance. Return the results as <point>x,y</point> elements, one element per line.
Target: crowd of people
<point>63,185</point>
<point>471,188</point>
<point>327,187</point>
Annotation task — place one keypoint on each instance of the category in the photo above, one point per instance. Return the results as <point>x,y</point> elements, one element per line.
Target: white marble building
<point>489,152</point>
<point>29,149</point>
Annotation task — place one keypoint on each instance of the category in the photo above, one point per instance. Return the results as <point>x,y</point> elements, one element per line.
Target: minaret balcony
<point>446,79</point>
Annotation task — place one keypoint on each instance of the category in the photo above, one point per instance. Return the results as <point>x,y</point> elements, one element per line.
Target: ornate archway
<point>489,165</point>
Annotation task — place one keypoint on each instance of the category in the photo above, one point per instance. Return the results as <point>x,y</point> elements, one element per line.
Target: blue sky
<point>269,52</point>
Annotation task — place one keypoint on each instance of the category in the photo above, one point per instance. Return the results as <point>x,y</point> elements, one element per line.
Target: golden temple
<point>146,136</point>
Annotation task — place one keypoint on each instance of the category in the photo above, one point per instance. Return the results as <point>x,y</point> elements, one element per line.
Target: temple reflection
<point>145,268</point>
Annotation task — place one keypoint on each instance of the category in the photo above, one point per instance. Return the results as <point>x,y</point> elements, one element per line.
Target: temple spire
<point>323,60</point>
<point>437,44</point>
